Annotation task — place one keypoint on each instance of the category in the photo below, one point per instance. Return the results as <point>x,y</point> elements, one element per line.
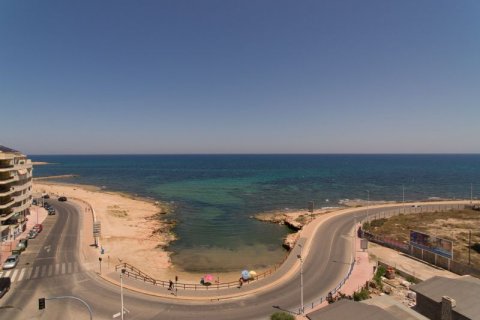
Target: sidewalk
<point>37,215</point>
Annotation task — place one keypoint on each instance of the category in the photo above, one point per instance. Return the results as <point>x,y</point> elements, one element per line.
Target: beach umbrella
<point>208,278</point>
<point>253,274</point>
<point>245,275</point>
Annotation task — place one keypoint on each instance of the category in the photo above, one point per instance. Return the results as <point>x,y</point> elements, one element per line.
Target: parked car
<point>62,199</point>
<point>34,202</point>
<point>32,234</point>
<point>5,284</point>
<point>22,244</point>
<point>51,212</point>
<point>11,262</point>
<point>46,205</point>
<point>38,227</point>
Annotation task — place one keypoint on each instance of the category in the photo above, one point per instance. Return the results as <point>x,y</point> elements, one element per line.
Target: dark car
<point>22,244</point>
<point>32,234</point>
<point>51,211</point>
<point>62,199</point>
<point>4,285</point>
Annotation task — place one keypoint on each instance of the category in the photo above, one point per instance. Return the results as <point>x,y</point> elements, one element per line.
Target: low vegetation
<point>454,225</point>
<point>282,316</point>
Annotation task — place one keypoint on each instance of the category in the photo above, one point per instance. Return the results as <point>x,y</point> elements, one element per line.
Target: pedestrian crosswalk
<point>40,271</point>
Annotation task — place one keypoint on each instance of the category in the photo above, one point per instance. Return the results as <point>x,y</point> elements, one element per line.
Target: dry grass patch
<point>453,225</point>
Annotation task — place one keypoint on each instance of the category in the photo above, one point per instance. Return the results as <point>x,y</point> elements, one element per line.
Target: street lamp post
<point>302,308</point>
<point>121,291</point>
<point>368,205</point>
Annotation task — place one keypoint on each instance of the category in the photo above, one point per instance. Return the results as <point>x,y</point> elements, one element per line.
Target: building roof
<point>464,290</point>
<point>348,309</point>
<point>5,149</point>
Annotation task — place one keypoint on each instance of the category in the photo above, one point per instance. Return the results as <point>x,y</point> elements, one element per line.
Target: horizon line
<point>250,154</point>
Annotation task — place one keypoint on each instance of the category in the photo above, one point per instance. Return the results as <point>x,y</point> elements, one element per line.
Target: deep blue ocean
<point>215,195</point>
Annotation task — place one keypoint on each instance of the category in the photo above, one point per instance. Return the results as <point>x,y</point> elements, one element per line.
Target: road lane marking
<point>7,273</point>
<point>63,268</point>
<point>44,271</point>
<point>57,269</point>
<point>50,270</point>
<point>29,273</point>
<point>14,274</point>
<point>22,273</point>
<point>35,274</point>
<point>69,267</point>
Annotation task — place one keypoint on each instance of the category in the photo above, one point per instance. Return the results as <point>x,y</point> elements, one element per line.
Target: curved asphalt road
<point>325,266</point>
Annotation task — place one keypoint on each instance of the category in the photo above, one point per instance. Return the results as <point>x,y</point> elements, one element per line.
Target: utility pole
<point>121,291</point>
<point>368,205</point>
<point>471,193</point>
<point>469,245</point>
<point>300,257</point>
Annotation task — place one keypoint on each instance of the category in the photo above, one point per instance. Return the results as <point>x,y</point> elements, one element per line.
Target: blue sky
<point>240,76</point>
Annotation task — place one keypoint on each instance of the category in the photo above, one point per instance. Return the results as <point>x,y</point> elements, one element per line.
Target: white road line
<point>44,271</point>
<point>7,273</point>
<point>50,270</point>
<point>29,273</point>
<point>35,274</point>
<point>57,269</point>
<point>69,267</point>
<point>63,268</point>
<point>22,273</point>
<point>14,274</point>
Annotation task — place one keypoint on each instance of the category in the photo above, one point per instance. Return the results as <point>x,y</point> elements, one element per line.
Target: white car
<point>11,262</point>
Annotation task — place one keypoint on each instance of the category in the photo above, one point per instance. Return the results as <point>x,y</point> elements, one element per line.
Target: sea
<point>216,196</point>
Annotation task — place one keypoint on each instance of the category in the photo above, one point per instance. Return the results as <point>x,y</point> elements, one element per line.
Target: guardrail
<point>133,272</point>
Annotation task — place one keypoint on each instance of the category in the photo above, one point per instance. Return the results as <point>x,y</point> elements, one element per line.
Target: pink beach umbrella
<point>208,278</point>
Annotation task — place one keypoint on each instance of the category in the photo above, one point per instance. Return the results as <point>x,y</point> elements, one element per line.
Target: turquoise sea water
<point>216,195</point>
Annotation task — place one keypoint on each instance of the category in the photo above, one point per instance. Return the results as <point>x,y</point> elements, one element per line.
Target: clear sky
<point>240,76</point>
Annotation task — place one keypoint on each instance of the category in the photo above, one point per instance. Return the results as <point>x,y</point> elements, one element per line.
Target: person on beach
<point>170,285</point>
<point>240,282</point>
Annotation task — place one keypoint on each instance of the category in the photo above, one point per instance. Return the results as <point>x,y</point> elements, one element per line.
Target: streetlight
<point>299,256</point>
<point>368,205</point>
<point>302,308</point>
<point>121,290</point>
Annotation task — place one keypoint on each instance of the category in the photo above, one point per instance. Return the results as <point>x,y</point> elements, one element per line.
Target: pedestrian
<point>240,282</point>
<point>170,285</point>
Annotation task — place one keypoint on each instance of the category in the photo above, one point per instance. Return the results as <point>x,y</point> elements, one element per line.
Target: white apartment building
<point>15,192</point>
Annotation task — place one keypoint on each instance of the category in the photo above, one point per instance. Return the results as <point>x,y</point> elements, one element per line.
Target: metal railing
<point>133,272</point>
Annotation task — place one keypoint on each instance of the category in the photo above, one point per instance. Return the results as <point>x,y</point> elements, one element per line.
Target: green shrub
<point>282,316</point>
<point>361,295</point>
<point>378,275</point>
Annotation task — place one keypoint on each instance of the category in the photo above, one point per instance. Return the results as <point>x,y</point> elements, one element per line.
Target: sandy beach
<point>133,230</point>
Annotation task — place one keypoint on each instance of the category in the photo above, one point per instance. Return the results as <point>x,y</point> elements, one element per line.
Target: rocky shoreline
<point>294,220</point>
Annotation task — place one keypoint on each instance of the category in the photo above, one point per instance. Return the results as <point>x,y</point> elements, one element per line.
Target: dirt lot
<point>452,225</point>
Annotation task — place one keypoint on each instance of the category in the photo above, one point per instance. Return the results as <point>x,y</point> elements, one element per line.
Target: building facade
<point>15,192</point>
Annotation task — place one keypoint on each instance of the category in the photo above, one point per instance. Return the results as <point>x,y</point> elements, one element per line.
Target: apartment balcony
<point>9,180</point>
<point>7,193</point>
<point>24,206</point>
<point>7,204</point>
<point>21,187</point>
<point>7,215</point>
<point>6,169</point>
